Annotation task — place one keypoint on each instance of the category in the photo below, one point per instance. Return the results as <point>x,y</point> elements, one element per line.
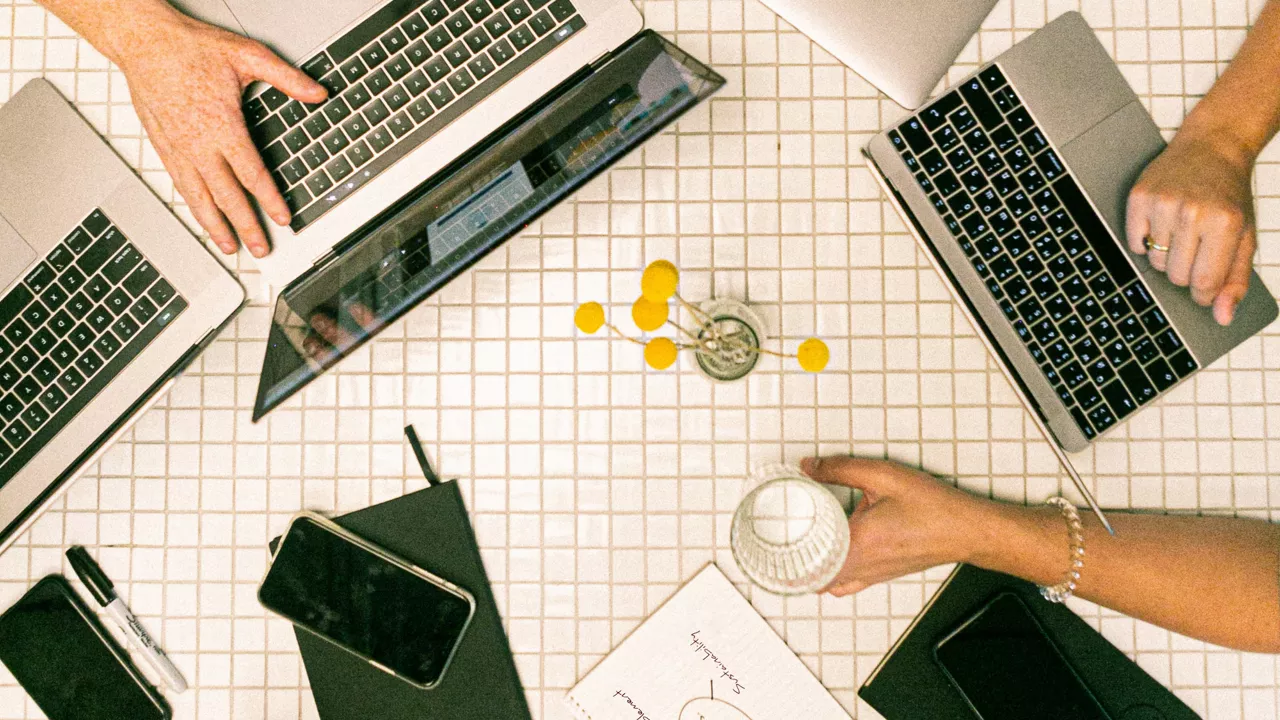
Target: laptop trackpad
<point>294,28</point>
<point>16,252</point>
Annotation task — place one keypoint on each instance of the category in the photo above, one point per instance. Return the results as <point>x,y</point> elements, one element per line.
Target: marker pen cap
<point>90,574</point>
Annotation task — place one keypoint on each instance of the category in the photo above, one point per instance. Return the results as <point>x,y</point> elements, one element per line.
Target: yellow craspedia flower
<point>589,318</point>
<point>813,355</point>
<point>659,281</point>
<point>660,353</point>
<point>650,316</point>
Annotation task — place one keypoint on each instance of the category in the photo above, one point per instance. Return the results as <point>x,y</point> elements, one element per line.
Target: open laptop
<point>105,297</point>
<point>451,125</point>
<point>903,48</point>
<point>1015,183</point>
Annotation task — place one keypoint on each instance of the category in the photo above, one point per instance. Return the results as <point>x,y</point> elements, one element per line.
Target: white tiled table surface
<point>597,487</point>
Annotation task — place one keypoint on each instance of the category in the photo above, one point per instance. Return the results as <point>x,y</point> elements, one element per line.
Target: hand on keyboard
<point>1196,199</point>
<point>187,80</point>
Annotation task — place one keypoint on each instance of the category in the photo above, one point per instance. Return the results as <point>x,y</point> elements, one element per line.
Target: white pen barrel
<point>138,636</point>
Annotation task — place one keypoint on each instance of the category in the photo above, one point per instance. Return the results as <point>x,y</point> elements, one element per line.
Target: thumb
<point>875,477</point>
<point>259,63</point>
<point>1237,285</point>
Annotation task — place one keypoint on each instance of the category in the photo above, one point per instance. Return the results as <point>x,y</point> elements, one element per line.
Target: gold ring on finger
<point>1153,245</point>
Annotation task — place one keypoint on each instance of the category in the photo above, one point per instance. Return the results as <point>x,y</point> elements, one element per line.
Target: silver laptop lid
<point>903,48</point>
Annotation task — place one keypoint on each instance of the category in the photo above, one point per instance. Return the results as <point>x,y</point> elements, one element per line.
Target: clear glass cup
<point>789,535</point>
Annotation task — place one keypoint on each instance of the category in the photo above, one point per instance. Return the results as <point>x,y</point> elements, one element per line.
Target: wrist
<point>1029,542</point>
<point>1227,137</point>
<point>125,40</point>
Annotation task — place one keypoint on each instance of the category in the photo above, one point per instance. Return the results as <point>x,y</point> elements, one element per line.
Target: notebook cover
<point>908,684</point>
<point>431,529</point>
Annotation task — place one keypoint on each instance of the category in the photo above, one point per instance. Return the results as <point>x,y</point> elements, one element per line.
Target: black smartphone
<point>73,669</point>
<point>1008,668</point>
<point>393,614</point>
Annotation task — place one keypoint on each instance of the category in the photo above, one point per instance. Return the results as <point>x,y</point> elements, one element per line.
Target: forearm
<point>1206,577</point>
<point>1242,109</point>
<point>113,26</point>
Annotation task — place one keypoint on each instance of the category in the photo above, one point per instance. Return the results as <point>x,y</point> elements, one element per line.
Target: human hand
<point>1196,199</point>
<point>187,80</point>
<point>329,338</point>
<point>908,521</point>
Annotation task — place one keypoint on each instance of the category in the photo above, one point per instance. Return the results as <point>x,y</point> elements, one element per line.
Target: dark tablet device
<point>1007,668</point>
<point>61,655</point>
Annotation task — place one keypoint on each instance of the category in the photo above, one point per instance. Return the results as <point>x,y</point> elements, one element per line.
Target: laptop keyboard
<point>395,80</point>
<point>86,310</point>
<point>1061,279</point>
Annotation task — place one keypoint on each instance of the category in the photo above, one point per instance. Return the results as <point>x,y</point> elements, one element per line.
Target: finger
<point>871,476</point>
<point>330,330</point>
<point>254,177</point>
<point>845,589</point>
<point>230,198</point>
<point>1138,219</point>
<point>363,316</point>
<point>1183,247</point>
<point>316,348</point>
<point>1163,221</point>
<point>190,186</point>
<point>1237,282</point>
<point>260,63</point>
<point>1218,250</point>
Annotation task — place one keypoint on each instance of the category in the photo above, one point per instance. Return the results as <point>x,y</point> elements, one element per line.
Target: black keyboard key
<point>933,162</point>
<point>78,241</point>
<point>380,138</point>
<point>1116,308</point>
<point>1009,310</point>
<point>1016,245</point>
<point>161,292</point>
<point>1035,141</point>
<point>100,318</point>
<point>946,183</point>
<point>518,11</point>
<point>1031,180</point>
<point>912,131</point>
<point>982,105</point>
<point>414,26</point>
<point>438,69</point>
<point>35,314</point>
<point>9,376</point>
<point>1018,159</point>
<point>255,110</point>
<point>70,381</point>
<point>1058,352</point>
<point>397,98</point>
<point>143,310</point>
<point>124,328</point>
<point>292,114</point>
<point>401,124</point>
<point>318,66</point>
<point>1083,423</point>
<point>1074,244</point>
<point>1086,351</point>
<point>1117,352</point>
<point>1183,364</point>
<point>1168,342</point>
<point>16,434</point>
<point>502,51</point>
<point>418,53</point>
<point>1072,374</point>
<point>1072,328</point>
<point>96,223</point>
<point>440,95</point>
<point>1100,371</point>
<point>267,132</point>
<point>988,246</point>
<point>1087,395</point>
<point>88,363</point>
<point>1058,308</point>
<point>992,78</point>
<point>358,154</point>
<point>122,264</point>
<point>61,258</point>
<point>82,336</point>
<point>336,141</point>
<point>1161,375</point>
<point>991,162</point>
<point>28,389</point>
<point>61,324</point>
<point>140,279</point>
<point>316,126</point>
<point>17,332</point>
<point>417,83</point>
<point>959,160</point>
<point>1102,286</point>
<point>1102,418</point>
<point>478,39</point>
<point>46,372</point>
<point>1018,289</point>
<point>1138,297</point>
<point>1138,384</point>
<point>1059,222</point>
<point>1045,332</point>
<point>43,340</point>
<point>53,296</point>
<point>542,23</point>
<point>1104,332</point>
<point>319,183</point>
<point>1003,268</point>
<point>315,156</point>
<point>1130,329</point>
<point>294,171</point>
<point>936,114</point>
<point>962,120</point>
<point>374,55</point>
<point>561,10</point>
<point>106,345</point>
<point>1108,250</point>
<point>1003,138</point>
<point>975,225</point>
<point>457,54</point>
<point>338,169</point>
<point>1044,286</point>
<point>1033,225</point>
<point>376,113</point>
<point>436,12</point>
<point>1088,265</point>
<point>398,67</point>
<point>946,138</point>
<point>420,110</point>
<point>40,278</point>
<point>974,181</point>
<point>1050,166</point>
<point>1154,321</point>
<point>296,140</point>
<point>438,39</point>
<point>336,110</point>
<point>10,406</point>
<point>394,41</point>
<point>1020,120</point>
<point>53,398</point>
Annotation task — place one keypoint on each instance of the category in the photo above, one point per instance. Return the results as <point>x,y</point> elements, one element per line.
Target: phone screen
<point>355,597</point>
<point>1008,669</point>
<point>60,655</point>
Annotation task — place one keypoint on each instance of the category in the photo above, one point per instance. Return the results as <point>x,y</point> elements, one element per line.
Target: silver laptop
<point>413,84</point>
<point>1015,183</point>
<point>903,48</point>
<point>105,297</point>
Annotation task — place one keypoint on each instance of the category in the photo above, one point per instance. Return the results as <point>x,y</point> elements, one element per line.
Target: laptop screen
<point>472,207</point>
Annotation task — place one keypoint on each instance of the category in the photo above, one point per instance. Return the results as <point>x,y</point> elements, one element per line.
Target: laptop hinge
<point>600,59</point>
<point>333,253</point>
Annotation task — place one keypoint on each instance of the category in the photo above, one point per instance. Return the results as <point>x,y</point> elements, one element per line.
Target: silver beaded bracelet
<point>1062,591</point>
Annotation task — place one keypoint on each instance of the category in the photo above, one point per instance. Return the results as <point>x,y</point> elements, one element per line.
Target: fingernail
<point>258,251</point>
<point>228,248</point>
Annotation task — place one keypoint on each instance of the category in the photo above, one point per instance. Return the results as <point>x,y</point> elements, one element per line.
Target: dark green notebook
<point>431,529</point>
<point>908,684</point>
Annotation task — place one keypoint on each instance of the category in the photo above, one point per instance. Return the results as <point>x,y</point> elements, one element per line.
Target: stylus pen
<point>104,592</point>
